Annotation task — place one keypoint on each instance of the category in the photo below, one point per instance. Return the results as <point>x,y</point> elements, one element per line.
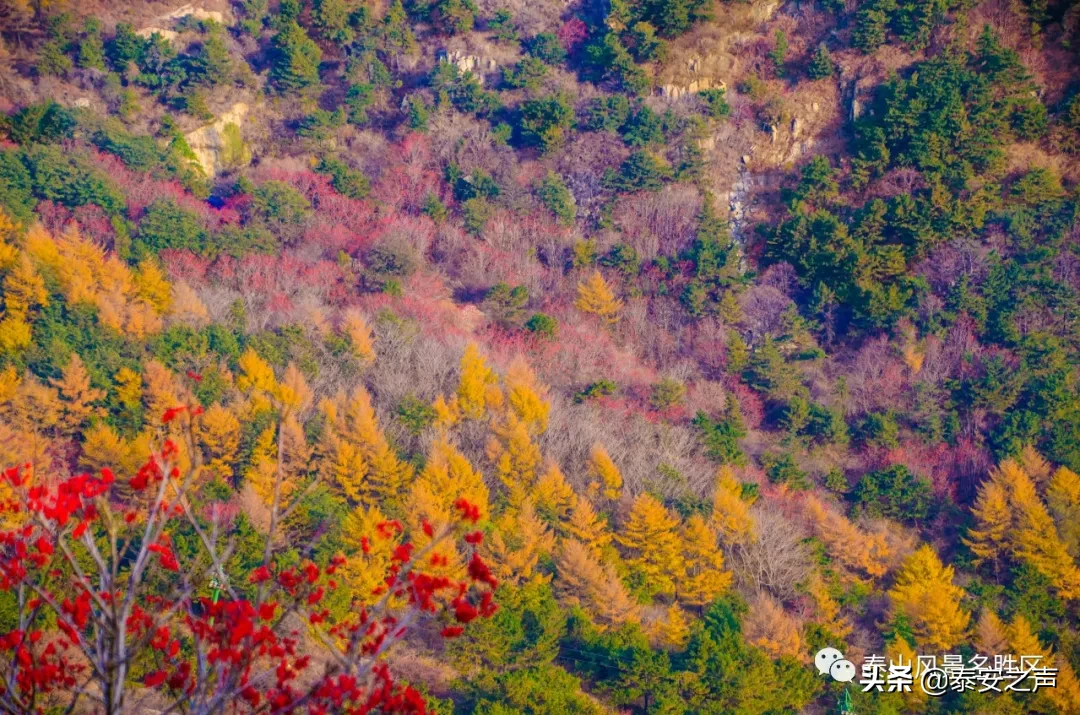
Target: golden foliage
<point>76,395</point>
<point>588,527</point>
<point>652,538</point>
<point>128,387</point>
<point>514,454</point>
<point>672,632</point>
<point>218,432</point>
<point>705,577</point>
<point>990,636</point>
<point>607,480</point>
<point>554,496</point>
<point>1063,498</point>
<point>584,582</point>
<point>846,543</point>
<point>152,286</point>
<point>476,378</point>
<point>256,375</point>
<point>386,473</point>
<point>526,396</point>
<point>356,329</point>
<point>594,296</point>
<point>367,552</point>
<point>924,592</point>
<point>516,547</point>
<point>769,627</point>
<point>731,514</point>
<point>24,289</point>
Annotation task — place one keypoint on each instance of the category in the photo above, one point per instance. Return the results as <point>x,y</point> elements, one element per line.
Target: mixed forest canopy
<point>479,356</point>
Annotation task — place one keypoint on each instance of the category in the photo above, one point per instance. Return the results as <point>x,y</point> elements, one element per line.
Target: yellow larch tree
<point>256,375</point>
<point>9,384</point>
<point>367,552</point>
<point>218,433</point>
<point>1063,498</point>
<point>355,328</point>
<point>773,630</point>
<point>160,390</point>
<point>1037,542</point>
<point>1011,520</point>
<point>828,608</point>
<point>128,388</point>
<point>553,495</point>
<point>990,636</point>
<point>103,447</point>
<point>476,383</point>
<point>583,581</point>
<point>76,395</point>
<point>293,392</point>
<point>900,651</point>
<point>731,514</point>
<point>348,470</point>
<point>588,527</point>
<point>262,471</point>
<point>514,454</point>
<point>651,538</point>
<point>607,480</point>
<point>925,594</point>
<point>425,507</point>
<point>989,538</point>
<point>387,474</point>
<point>449,475</point>
<point>515,548</point>
<point>705,577</point>
<point>525,396</point>
<point>24,289</point>
<point>152,286</point>
<point>1034,465</point>
<point>447,412</point>
<point>36,407</point>
<point>672,632</point>
<point>594,296</point>
<point>858,550</point>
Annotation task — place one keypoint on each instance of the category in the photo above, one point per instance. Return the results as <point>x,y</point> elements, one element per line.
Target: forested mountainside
<point>483,356</point>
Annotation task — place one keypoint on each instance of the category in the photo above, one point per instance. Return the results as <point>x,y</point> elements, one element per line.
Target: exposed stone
<point>764,12</point>
<point>796,127</point>
<point>469,63</point>
<point>774,131</point>
<point>161,24</point>
<point>215,145</point>
<point>147,32</point>
<point>81,102</point>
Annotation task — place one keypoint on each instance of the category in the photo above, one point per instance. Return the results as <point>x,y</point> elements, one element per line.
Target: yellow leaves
<point>1023,641</point>
<point>731,514</point>
<point>76,394</point>
<point>218,432</point>
<point>606,478</point>
<point>36,406</point>
<point>514,455</point>
<point>554,497</point>
<point>160,391</point>
<point>367,553</point>
<point>583,581</point>
<point>594,296</point>
<point>475,384</point>
<point>672,632</point>
<point>1010,517</point>
<point>152,286</point>
<point>1063,498</point>
<point>990,635</point>
<point>773,630</point>
<point>705,577</point>
<point>262,472</point>
<point>356,329</point>
<point>651,536</point>
<point>526,396</point>
<point>186,307</point>
<point>447,414</point>
<point>852,547</point>
<point>514,550</point>
<point>448,476</point>
<point>128,388</point>
<point>9,383</point>
<point>255,374</point>
<point>587,527</point>
<point>293,391</point>
<point>925,594</point>
<point>24,289</point>
<point>15,334</point>
<point>87,275</point>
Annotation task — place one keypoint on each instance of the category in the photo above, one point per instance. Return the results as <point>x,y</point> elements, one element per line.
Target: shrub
<point>821,66</point>
<point>782,469</point>
<point>545,122</point>
<point>716,104</point>
<point>554,194</point>
<point>893,492</point>
<point>600,388</point>
<point>525,74</point>
<point>166,225</point>
<point>476,212</point>
<point>502,26</point>
<point>546,47</point>
<point>543,325</point>
<point>277,202</point>
<point>642,171</point>
<point>667,393</point>
<point>346,180</point>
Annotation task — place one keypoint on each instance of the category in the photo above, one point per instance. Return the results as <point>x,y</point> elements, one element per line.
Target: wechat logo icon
<point>830,661</point>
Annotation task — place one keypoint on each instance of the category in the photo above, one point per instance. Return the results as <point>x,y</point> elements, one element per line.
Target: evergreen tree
<point>294,60</point>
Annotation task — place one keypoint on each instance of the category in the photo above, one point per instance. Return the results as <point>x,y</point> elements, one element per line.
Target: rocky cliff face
<point>219,146</point>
